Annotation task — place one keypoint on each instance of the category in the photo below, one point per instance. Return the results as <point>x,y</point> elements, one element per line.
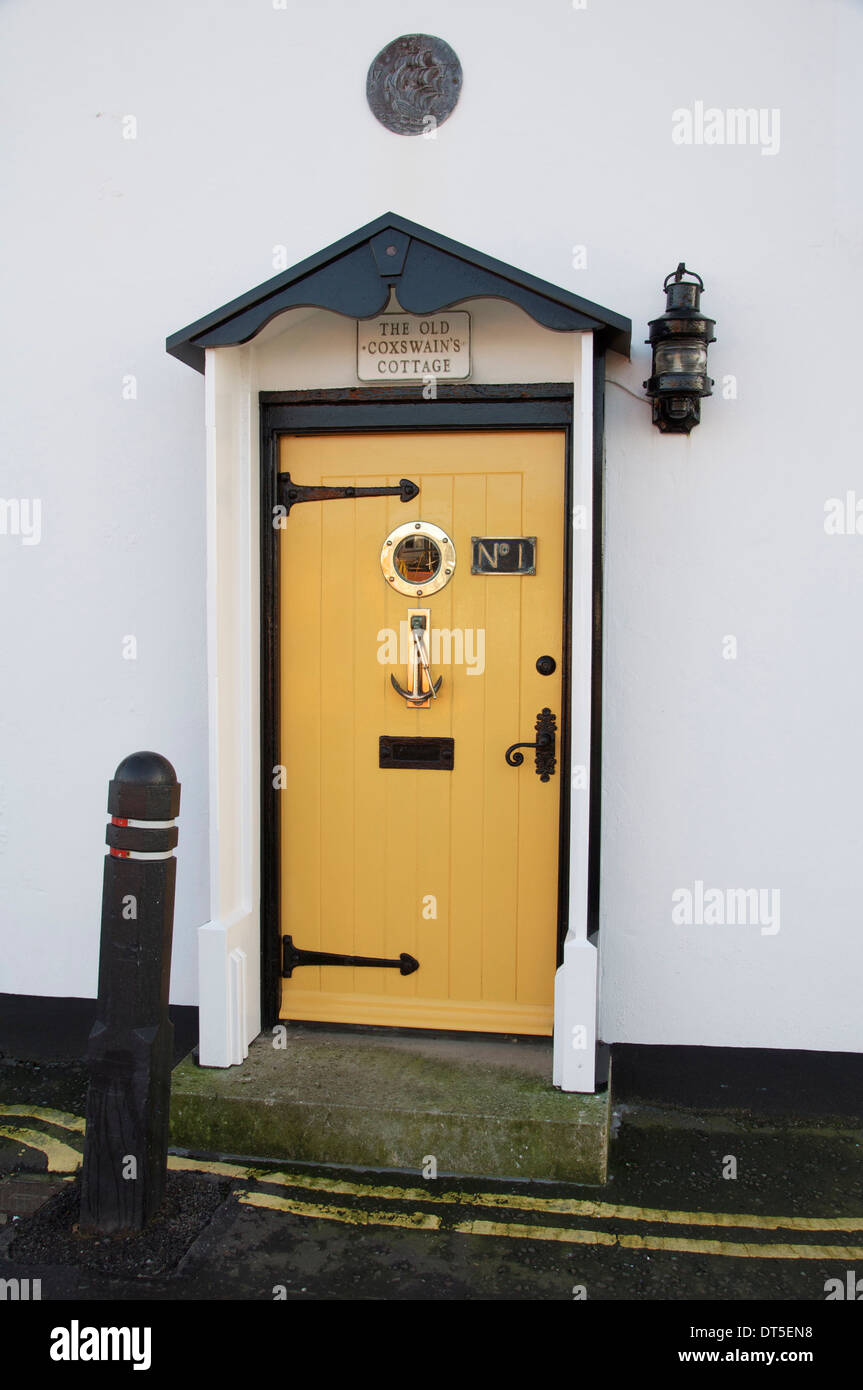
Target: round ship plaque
<point>413,84</point>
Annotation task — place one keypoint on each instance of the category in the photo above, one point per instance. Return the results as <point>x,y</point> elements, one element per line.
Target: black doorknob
<point>546,665</point>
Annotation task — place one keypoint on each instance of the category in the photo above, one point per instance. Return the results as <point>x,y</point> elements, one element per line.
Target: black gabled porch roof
<point>429,272</point>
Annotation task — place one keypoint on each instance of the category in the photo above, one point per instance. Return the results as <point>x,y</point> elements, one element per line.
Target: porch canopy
<point>428,272</point>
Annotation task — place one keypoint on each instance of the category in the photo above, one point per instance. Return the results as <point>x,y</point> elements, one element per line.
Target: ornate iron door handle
<point>545,746</point>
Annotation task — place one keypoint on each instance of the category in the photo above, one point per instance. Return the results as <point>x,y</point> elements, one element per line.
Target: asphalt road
<point>669,1226</point>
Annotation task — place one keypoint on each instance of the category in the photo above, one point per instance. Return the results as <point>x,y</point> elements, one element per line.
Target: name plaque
<point>406,347</point>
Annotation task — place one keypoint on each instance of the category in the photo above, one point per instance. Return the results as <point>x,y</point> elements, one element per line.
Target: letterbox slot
<point>432,754</point>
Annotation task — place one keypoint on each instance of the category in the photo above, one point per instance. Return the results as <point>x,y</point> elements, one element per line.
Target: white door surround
<point>312,349</point>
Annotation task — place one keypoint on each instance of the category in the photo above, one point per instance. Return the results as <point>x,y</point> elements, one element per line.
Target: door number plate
<point>503,555</point>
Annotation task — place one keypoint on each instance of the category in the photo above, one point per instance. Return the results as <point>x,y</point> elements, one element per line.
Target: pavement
<point>696,1207</point>
<point>725,1199</point>
<point>730,1227</point>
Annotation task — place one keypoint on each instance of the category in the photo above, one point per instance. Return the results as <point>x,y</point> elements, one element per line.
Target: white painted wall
<point>252,133</point>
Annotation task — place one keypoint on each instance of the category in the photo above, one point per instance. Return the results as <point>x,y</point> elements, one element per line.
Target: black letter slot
<point>434,754</point>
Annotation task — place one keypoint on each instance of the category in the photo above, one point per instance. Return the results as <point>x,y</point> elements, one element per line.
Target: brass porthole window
<point>418,559</point>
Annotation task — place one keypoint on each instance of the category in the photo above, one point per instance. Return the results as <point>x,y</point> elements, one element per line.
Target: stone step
<point>481,1107</point>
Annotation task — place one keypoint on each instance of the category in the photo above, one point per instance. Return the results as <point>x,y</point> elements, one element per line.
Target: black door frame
<point>458,407</point>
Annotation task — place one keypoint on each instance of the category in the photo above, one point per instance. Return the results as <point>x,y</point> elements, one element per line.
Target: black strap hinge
<point>290,493</point>
<point>292,956</point>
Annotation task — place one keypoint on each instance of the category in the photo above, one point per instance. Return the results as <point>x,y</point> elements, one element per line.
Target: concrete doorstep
<point>477,1107</point>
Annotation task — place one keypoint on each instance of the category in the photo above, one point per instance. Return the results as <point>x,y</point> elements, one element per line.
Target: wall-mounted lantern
<point>679,339</point>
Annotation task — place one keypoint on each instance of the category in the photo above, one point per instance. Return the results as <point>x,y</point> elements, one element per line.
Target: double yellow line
<point>59,1157</point>
<point>258,1193</point>
<point>423,1220</point>
<point>552,1206</point>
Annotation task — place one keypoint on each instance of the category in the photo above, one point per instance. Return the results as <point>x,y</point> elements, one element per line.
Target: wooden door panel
<point>365,848</point>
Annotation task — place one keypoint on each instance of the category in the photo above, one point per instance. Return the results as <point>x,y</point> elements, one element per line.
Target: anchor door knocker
<point>421,688</point>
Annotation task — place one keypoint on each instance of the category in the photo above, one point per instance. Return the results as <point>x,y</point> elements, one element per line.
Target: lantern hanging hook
<point>678,274</point>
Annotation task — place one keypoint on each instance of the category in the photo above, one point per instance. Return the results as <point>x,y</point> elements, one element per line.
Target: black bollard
<point>131,1044</point>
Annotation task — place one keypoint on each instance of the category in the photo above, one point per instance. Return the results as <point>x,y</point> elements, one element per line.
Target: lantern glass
<point>680,356</point>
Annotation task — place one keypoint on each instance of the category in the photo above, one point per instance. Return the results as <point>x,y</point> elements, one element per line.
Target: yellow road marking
<point>678,1244</point>
<point>768,1251</point>
<point>561,1206</point>
<point>61,1158</point>
<point>352,1216</point>
<point>61,1118</point>
<point>178,1163</point>
<point>566,1235</point>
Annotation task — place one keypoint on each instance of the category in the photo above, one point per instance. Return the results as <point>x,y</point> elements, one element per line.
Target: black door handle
<point>545,746</point>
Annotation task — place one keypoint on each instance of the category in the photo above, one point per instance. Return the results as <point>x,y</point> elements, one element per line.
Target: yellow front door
<point>455,866</point>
